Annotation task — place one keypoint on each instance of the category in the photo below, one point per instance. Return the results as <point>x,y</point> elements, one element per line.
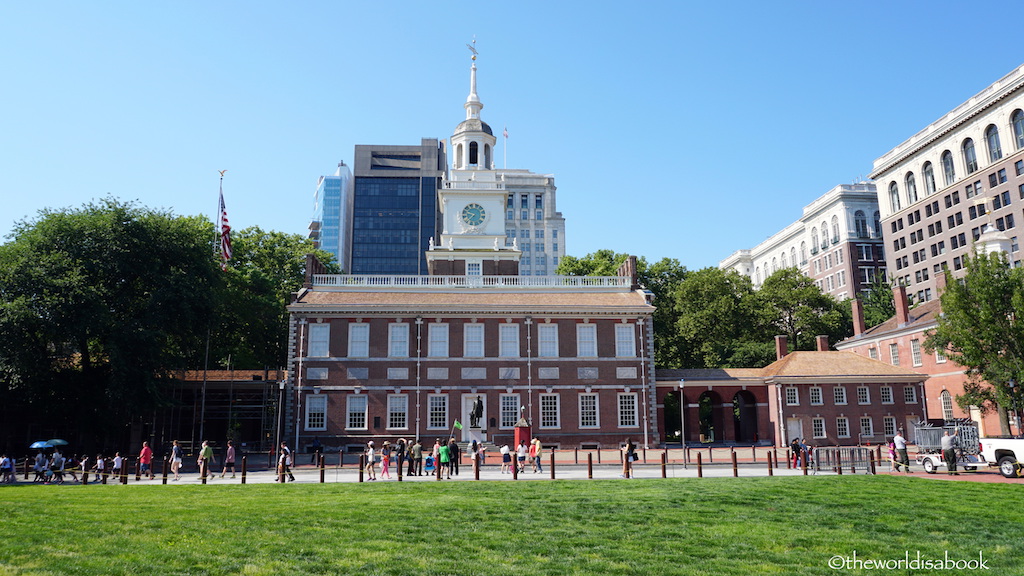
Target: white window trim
<point>501,401</point>
<point>836,391</point>
<point>320,400</point>
<point>436,330</point>
<point>636,409</point>
<point>348,412</point>
<point>586,334</point>
<point>839,428</point>
<point>466,331</point>
<point>821,396</point>
<point>882,394</point>
<point>446,412</point>
<point>353,352</point>
<point>558,411</point>
<point>625,347</point>
<point>597,410</point>
<point>547,330</point>
<point>319,345</point>
<point>867,395</point>
<point>793,400</point>
<point>513,343</point>
<point>394,330</point>
<point>824,431</point>
<point>404,397</point>
<point>871,425</point>
<point>913,392</point>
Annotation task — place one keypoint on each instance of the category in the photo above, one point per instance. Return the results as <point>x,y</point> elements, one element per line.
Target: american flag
<point>225,229</point>
<point>506,131</point>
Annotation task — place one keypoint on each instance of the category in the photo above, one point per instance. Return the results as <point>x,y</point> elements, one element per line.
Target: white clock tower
<point>472,202</point>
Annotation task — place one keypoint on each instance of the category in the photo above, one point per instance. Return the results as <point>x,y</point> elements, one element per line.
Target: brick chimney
<point>859,327</point>
<point>899,294</point>
<point>940,283</point>
<point>821,343</point>
<point>781,347</point>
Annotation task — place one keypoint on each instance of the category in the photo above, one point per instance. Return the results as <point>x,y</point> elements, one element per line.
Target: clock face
<point>474,214</point>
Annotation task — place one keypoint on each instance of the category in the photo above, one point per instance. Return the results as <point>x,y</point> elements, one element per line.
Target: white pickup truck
<point>1007,453</point>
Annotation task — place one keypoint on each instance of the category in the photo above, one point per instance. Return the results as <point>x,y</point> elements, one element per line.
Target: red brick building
<point>829,398</point>
<point>899,341</point>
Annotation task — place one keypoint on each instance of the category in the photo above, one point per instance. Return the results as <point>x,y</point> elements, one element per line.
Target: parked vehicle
<point>965,443</point>
<point>1007,453</point>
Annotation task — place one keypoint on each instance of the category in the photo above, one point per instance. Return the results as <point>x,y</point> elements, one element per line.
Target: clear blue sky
<point>717,122</point>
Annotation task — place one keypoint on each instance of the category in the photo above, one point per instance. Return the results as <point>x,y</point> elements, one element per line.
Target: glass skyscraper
<point>331,226</point>
<point>395,210</point>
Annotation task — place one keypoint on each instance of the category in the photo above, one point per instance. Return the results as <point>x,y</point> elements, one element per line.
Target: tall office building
<point>395,206</point>
<point>837,242</point>
<point>331,227</point>
<point>939,190</point>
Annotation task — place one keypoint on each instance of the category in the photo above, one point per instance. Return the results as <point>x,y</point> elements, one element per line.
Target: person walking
<point>205,459</point>
<point>146,461</point>
<point>229,460</point>
<point>445,456</point>
<point>116,468</point>
<point>385,460</point>
<point>176,458</point>
<point>794,449</point>
<point>416,460</point>
<point>285,463</point>
<point>536,453</point>
<point>627,462</point>
<point>521,454</point>
<point>371,464</point>
<point>948,444</point>
<point>901,451</point>
<point>506,458</point>
<point>454,456</point>
<point>101,469</point>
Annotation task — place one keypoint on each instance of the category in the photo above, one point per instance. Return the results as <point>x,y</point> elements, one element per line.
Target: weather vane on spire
<point>472,47</point>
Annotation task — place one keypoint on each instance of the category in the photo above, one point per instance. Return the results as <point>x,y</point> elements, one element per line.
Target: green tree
<point>98,307</point>
<point>661,278</point>
<point>878,303</point>
<point>265,269</point>
<point>716,319</point>
<point>980,328</point>
<point>796,307</point>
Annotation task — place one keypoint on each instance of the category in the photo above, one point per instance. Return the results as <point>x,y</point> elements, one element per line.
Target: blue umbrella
<point>57,442</point>
<point>40,444</point>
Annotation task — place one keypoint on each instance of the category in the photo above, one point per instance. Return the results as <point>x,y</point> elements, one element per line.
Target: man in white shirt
<point>901,452</point>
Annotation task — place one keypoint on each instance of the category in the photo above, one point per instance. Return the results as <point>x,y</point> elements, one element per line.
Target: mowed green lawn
<point>678,526</point>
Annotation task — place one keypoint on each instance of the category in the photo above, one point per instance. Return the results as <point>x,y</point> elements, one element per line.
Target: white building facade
<point>837,242</point>
<point>938,190</point>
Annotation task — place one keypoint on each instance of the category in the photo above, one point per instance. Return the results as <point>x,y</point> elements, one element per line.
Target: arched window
<point>911,189</point>
<point>894,197</point>
<point>970,158</point>
<point>995,150</point>
<point>824,235</point>
<point>487,156</point>
<point>878,224</point>
<point>947,405</point>
<point>775,265</point>
<point>929,179</point>
<point>783,259</point>
<point>757,275</point>
<point>1018,128</point>
<point>860,222</point>
<point>474,153</point>
<point>458,156</point>
<point>835,230</point>
<point>803,253</point>
<point>792,256</point>
<point>948,172</point>
<point>814,240</point>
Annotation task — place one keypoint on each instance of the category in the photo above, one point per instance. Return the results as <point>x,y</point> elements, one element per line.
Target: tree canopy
<point>980,328</point>
<point>103,305</point>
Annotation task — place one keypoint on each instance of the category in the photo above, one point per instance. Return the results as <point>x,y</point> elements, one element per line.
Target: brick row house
<point>829,398</point>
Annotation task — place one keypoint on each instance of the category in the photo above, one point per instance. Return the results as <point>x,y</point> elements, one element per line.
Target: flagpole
<point>504,149</point>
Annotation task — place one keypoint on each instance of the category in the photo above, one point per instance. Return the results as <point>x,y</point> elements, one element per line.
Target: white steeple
<point>473,141</point>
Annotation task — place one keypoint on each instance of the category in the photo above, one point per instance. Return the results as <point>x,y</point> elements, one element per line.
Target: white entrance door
<point>794,429</point>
